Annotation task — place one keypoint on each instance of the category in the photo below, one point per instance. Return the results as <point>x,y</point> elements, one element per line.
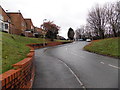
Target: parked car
<point>88,40</point>
<point>80,39</point>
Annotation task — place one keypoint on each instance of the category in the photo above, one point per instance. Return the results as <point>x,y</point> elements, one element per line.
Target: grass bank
<point>62,40</point>
<point>107,47</point>
<point>14,49</point>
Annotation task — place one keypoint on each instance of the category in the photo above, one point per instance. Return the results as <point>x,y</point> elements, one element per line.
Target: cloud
<point>65,13</point>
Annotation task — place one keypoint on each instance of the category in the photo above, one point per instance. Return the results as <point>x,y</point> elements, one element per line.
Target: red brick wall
<point>3,13</point>
<point>6,18</point>
<point>29,23</point>
<point>18,21</point>
<point>21,76</point>
<point>23,72</point>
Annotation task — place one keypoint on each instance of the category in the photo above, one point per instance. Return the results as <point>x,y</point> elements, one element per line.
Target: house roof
<point>15,13</point>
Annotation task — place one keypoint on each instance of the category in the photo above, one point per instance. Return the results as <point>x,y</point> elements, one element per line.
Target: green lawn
<point>14,49</point>
<point>105,46</point>
<point>61,40</point>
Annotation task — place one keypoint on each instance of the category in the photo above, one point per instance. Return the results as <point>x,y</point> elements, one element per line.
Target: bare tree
<point>118,11</point>
<point>97,20</point>
<point>77,34</point>
<point>112,15</point>
<point>89,31</point>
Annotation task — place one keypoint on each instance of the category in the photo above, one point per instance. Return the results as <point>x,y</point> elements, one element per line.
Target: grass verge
<point>62,40</point>
<point>107,47</point>
<point>14,49</point>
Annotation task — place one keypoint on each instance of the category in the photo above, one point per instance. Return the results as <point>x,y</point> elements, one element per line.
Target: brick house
<point>5,22</point>
<point>29,32</point>
<point>14,23</point>
<point>40,32</point>
<point>18,21</point>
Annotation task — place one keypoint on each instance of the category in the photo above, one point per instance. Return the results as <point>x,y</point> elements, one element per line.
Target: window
<point>6,26</point>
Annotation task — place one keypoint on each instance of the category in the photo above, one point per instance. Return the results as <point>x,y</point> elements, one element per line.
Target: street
<point>69,66</point>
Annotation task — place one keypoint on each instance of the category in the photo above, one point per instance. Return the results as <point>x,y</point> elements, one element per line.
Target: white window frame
<point>6,29</point>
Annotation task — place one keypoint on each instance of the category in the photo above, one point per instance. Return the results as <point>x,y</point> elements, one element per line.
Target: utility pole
<point>44,33</point>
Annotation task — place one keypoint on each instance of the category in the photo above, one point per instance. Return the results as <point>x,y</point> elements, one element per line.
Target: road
<point>69,66</point>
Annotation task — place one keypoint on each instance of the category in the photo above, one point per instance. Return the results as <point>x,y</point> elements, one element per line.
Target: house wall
<point>19,22</point>
<point>39,30</point>
<point>4,21</point>
<point>5,16</point>
<point>15,22</point>
<point>29,24</point>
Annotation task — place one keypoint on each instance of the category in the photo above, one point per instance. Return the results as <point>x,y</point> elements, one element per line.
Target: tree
<point>71,34</point>
<point>112,14</point>
<point>97,20</point>
<point>118,11</point>
<point>51,29</point>
<point>77,34</point>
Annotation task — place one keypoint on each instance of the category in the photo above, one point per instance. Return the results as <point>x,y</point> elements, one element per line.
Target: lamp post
<point>44,33</point>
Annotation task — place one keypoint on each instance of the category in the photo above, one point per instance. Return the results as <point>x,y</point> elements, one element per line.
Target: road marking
<point>81,84</point>
<point>114,66</point>
<point>102,62</point>
<point>45,49</point>
<point>74,54</point>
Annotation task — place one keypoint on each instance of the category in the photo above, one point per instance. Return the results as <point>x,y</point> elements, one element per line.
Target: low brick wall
<point>23,72</point>
<point>21,76</point>
<point>36,46</point>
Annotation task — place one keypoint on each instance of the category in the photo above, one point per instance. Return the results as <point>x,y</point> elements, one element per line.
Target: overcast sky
<point>64,13</point>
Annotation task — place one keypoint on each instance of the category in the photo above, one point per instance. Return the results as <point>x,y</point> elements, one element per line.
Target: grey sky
<point>64,13</point>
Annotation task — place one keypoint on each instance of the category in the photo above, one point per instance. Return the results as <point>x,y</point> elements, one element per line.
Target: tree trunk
<point>115,34</point>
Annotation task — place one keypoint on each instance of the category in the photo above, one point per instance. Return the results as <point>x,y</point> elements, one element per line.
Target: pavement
<point>69,66</point>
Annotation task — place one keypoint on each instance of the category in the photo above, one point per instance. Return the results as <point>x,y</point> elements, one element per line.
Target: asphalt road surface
<point>69,66</point>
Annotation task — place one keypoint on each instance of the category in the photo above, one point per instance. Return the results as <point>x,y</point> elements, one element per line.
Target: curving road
<point>69,66</point>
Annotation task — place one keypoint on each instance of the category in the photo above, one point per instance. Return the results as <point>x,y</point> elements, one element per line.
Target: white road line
<point>81,84</point>
<point>74,54</point>
<point>102,62</point>
<point>114,66</point>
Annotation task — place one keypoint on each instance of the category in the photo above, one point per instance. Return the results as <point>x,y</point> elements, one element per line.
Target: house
<point>14,23</point>
<point>5,22</point>
<point>18,21</point>
<point>40,32</point>
<point>29,32</point>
